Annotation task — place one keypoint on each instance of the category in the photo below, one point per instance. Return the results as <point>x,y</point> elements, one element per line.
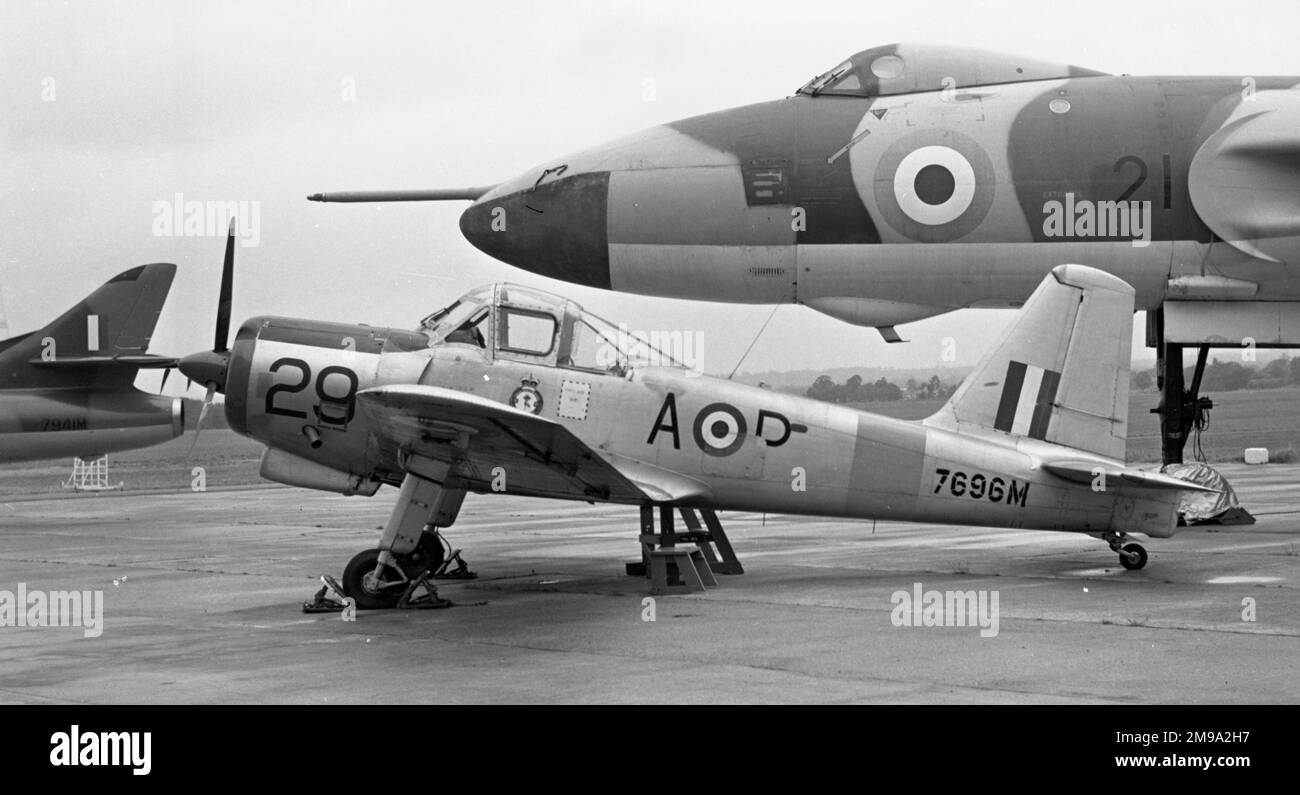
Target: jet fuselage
<point>907,198</point>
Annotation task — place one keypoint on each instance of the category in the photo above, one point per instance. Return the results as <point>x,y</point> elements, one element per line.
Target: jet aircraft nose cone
<point>207,367</point>
<point>555,228</point>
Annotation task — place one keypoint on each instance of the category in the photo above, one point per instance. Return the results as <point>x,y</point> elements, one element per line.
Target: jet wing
<point>1086,472</point>
<point>483,439</point>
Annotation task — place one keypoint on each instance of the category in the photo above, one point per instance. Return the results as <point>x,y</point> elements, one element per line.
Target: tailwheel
<point>372,593</point>
<point>1133,556</point>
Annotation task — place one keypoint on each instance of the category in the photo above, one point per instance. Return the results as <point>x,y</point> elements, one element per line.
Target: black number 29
<point>348,398</point>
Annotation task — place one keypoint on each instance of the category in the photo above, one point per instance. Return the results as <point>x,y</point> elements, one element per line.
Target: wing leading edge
<point>485,441</point>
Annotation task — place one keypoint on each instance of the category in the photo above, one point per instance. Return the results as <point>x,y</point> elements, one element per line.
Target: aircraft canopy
<point>909,68</point>
<point>521,323</point>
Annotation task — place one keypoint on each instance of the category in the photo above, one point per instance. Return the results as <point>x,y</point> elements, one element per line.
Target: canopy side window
<point>843,80</point>
<point>847,84</point>
<point>596,345</point>
<point>590,350</point>
<point>472,331</point>
<point>527,332</point>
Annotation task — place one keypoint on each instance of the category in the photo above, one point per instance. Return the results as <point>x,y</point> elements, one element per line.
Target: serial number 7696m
<point>979,486</point>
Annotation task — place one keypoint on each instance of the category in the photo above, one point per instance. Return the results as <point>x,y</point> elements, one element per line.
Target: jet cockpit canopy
<point>909,68</point>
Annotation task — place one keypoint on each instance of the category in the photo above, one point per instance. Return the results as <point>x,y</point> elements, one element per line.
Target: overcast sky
<point>252,101</point>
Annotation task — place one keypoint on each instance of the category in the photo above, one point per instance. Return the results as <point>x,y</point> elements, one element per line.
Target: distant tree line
<point>1229,376</point>
<point>855,390</point>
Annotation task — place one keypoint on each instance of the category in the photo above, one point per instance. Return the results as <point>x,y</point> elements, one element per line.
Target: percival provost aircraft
<point>912,180</point>
<point>68,389</point>
<point>513,390</point>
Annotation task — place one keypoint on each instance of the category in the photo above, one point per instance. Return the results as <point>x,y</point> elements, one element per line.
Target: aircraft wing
<point>537,456</point>
<point>1087,472</point>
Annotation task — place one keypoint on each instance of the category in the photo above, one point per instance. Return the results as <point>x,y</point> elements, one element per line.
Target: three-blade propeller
<point>209,367</point>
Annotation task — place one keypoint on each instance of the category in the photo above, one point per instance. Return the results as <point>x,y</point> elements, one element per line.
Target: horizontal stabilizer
<point>1089,472</point>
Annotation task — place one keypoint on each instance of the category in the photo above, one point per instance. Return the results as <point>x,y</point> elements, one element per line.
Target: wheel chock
<point>421,594</point>
<point>461,572</point>
<point>329,599</point>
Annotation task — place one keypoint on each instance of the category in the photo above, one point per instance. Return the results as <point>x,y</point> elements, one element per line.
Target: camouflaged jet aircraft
<point>912,180</point>
<point>513,390</point>
<point>68,389</point>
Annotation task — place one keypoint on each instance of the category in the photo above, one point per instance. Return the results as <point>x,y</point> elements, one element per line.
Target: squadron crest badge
<point>526,397</point>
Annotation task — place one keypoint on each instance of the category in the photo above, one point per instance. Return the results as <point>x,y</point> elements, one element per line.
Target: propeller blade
<point>224,299</point>
<point>163,386</point>
<point>203,414</point>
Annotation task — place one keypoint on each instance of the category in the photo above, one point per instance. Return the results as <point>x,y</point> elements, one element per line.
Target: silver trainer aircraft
<point>513,390</point>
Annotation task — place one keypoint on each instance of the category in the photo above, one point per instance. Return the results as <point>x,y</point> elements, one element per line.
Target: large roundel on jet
<point>719,429</point>
<point>934,186</point>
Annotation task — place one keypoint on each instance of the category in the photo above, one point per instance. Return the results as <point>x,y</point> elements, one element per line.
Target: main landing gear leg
<point>1180,408</point>
<point>1131,556</point>
<point>397,572</point>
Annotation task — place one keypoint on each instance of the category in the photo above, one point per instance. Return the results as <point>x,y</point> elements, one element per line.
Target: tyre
<point>367,595</point>
<point>1130,551</point>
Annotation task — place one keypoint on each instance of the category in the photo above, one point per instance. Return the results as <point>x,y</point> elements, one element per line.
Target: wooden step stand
<point>724,561</point>
<point>706,540</point>
<point>693,571</point>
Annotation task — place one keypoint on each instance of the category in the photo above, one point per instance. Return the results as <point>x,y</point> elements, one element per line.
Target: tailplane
<point>1060,373</point>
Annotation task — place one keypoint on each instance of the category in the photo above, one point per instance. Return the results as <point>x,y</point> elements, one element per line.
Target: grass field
<point>1249,418</point>
<point>227,458</point>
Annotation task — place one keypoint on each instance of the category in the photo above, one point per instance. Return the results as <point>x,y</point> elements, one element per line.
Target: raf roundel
<point>934,186</point>
<point>719,429</point>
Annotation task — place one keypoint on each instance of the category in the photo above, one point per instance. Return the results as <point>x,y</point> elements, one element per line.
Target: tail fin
<point>81,345</point>
<point>1060,373</point>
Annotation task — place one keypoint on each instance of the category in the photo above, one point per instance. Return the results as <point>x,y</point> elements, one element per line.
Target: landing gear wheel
<point>1133,557</point>
<point>359,582</point>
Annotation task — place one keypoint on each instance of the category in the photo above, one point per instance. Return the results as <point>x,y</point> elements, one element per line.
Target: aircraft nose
<point>556,227</point>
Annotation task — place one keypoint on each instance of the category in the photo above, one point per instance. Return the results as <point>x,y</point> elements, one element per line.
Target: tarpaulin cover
<point>1200,506</point>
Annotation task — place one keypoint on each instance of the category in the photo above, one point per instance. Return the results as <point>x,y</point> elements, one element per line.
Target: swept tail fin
<point>1060,373</point>
<point>79,347</point>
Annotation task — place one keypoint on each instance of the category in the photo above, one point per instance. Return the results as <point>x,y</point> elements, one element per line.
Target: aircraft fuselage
<point>887,209</point>
<point>749,448</point>
<point>65,423</point>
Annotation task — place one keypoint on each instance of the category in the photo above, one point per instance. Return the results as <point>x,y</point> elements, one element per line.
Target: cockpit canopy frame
<point>513,322</point>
